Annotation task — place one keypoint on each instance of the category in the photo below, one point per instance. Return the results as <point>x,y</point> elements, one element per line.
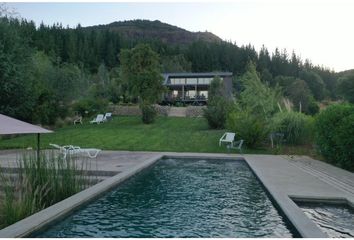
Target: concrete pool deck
<point>286,179</point>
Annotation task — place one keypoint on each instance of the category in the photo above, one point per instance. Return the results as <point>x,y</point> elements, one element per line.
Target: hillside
<point>345,73</point>
<point>156,30</point>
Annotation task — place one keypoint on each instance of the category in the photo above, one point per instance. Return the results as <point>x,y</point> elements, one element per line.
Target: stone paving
<point>286,178</point>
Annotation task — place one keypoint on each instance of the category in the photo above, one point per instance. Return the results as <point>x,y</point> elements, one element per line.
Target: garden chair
<point>107,117</point>
<point>72,150</point>
<point>98,119</point>
<point>228,137</point>
<point>78,120</point>
<point>236,145</point>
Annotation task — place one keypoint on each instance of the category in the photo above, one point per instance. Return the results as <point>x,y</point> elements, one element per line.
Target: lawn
<point>129,133</point>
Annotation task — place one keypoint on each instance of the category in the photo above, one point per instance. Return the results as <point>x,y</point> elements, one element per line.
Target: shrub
<point>148,113</point>
<point>216,113</point>
<point>334,129</point>
<point>247,126</point>
<point>296,127</point>
<point>218,105</point>
<point>90,106</point>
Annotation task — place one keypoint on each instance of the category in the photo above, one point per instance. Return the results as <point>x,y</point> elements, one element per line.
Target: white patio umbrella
<point>9,125</point>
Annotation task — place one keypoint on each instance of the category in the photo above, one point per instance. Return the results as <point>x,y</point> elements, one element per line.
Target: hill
<point>156,30</point>
<point>345,73</point>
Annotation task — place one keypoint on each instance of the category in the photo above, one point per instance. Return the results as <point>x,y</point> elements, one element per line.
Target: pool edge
<point>36,222</point>
<point>45,217</point>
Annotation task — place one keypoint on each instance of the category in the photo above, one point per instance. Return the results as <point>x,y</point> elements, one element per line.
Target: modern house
<point>193,87</point>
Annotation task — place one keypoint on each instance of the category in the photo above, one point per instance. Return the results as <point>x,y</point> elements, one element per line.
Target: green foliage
<point>248,126</point>
<point>315,83</point>
<point>90,106</point>
<point>141,70</point>
<point>218,105</point>
<point>176,63</point>
<point>15,72</point>
<point>296,127</point>
<point>39,185</point>
<point>334,128</point>
<point>345,88</point>
<point>257,98</point>
<point>299,93</point>
<point>49,67</point>
<point>149,113</point>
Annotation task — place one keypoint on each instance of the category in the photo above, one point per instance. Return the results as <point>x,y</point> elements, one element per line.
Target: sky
<point>320,30</point>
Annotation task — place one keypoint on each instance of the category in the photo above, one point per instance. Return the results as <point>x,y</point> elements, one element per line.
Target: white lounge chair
<point>107,117</point>
<point>228,137</point>
<point>71,150</point>
<point>237,145</point>
<point>98,119</point>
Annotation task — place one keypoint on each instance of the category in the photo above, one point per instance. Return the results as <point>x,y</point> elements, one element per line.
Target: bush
<point>148,113</point>
<point>296,127</point>
<point>218,105</point>
<point>216,113</point>
<point>90,106</point>
<point>247,126</point>
<point>335,135</point>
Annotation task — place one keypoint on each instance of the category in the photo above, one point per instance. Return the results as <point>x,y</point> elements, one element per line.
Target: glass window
<point>192,81</point>
<point>205,81</point>
<point>177,81</point>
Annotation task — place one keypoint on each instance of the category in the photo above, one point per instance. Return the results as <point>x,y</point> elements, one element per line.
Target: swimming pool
<point>335,220</point>
<point>180,198</point>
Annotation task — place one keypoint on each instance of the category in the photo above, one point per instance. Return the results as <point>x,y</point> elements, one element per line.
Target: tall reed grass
<point>39,183</point>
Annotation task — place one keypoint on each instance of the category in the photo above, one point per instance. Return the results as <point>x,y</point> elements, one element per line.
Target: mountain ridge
<point>152,30</point>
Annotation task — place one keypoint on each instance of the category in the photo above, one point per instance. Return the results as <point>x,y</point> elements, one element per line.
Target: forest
<point>47,72</point>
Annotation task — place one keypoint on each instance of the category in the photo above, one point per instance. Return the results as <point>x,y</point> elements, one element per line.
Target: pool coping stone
<point>283,200</point>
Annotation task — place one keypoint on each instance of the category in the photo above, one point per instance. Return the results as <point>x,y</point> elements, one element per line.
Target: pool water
<point>180,198</point>
<point>335,220</point>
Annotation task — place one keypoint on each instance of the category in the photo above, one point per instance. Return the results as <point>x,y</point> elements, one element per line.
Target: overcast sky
<point>322,31</point>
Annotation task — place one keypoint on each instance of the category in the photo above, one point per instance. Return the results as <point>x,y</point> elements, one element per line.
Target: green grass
<point>129,133</point>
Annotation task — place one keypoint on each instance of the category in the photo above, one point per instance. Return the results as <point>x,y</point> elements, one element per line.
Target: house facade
<point>193,87</point>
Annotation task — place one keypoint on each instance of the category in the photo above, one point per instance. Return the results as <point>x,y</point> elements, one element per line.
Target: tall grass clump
<point>38,183</point>
<point>296,127</point>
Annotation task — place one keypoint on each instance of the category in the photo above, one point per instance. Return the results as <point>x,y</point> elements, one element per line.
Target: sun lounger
<point>98,119</point>
<point>72,150</point>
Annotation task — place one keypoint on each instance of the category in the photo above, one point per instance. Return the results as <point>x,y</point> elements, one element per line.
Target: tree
<point>218,105</point>
<point>315,83</point>
<point>300,94</point>
<point>16,98</point>
<point>345,88</point>
<point>141,70</point>
<point>257,97</point>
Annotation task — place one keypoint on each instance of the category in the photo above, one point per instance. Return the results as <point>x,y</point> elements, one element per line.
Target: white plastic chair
<point>228,137</point>
<point>107,117</point>
<point>98,119</point>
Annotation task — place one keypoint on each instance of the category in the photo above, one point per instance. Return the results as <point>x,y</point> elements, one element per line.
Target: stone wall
<point>194,111</point>
<point>191,111</point>
<point>125,110</point>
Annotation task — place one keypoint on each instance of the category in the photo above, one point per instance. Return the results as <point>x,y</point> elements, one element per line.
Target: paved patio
<point>286,178</point>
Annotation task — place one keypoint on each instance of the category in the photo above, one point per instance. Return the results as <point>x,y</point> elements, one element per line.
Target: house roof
<point>9,125</point>
<point>166,76</point>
